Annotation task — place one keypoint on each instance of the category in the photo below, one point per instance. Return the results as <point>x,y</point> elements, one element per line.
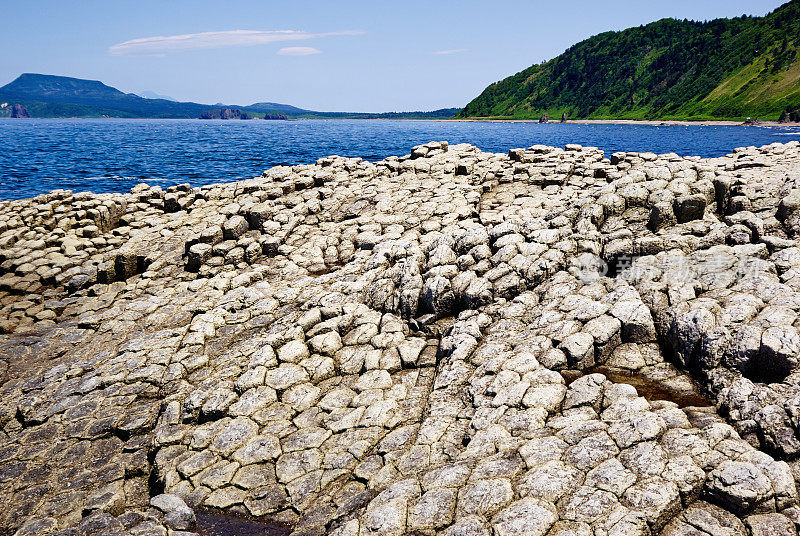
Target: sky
<point>365,56</point>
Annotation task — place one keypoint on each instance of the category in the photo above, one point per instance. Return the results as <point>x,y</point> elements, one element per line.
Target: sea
<point>113,155</point>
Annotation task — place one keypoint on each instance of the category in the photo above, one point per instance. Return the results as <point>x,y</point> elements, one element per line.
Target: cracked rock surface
<point>452,342</point>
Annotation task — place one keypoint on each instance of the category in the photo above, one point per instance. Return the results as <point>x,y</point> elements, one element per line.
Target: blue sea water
<point>112,155</point>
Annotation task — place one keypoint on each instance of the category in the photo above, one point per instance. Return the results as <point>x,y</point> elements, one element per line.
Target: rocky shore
<point>545,342</point>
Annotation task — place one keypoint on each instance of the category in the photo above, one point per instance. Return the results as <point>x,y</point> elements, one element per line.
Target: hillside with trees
<point>669,69</point>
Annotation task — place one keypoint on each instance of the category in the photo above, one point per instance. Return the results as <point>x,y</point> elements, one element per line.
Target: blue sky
<point>323,55</point>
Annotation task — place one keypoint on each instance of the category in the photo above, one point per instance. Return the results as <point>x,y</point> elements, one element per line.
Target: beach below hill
<point>627,122</point>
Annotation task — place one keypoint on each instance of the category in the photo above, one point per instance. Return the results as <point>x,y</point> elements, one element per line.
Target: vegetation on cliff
<point>669,69</point>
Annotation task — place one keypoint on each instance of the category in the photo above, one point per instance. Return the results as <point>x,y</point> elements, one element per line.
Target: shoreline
<point>648,122</point>
<point>645,122</point>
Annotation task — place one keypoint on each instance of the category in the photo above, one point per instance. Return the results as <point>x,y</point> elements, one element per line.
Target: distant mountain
<point>444,113</point>
<point>670,69</point>
<point>154,95</point>
<point>51,88</point>
<point>61,96</point>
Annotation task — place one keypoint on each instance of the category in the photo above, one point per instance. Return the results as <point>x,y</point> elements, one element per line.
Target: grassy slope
<point>669,69</point>
<point>755,90</point>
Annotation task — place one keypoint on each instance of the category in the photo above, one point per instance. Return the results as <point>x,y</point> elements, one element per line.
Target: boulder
<point>198,255</point>
<point>437,296</point>
<point>662,215</point>
<point>770,525</point>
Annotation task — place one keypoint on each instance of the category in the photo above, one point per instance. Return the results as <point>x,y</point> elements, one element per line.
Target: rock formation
<point>790,116</point>
<point>446,343</point>
<point>225,113</point>
<point>19,111</point>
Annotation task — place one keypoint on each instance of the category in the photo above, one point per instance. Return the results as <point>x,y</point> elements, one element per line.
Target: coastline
<point>645,122</point>
<point>648,122</point>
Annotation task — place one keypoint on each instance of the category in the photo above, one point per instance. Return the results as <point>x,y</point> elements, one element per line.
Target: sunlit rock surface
<point>453,342</point>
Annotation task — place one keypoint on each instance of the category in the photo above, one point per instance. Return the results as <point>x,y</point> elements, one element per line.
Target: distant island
<point>43,95</point>
<point>670,69</point>
<point>235,113</point>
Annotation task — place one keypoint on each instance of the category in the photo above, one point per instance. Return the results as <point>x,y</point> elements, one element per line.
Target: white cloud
<point>298,51</point>
<point>152,46</point>
<point>451,51</point>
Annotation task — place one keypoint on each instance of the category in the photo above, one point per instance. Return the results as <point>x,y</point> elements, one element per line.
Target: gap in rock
<point>617,264</point>
<point>648,388</point>
<point>214,523</point>
<point>766,372</point>
<point>154,485</point>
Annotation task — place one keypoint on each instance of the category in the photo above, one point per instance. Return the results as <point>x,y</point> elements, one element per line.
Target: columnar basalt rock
<point>451,342</point>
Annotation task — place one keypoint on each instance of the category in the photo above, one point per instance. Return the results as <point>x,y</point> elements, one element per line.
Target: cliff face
<point>235,113</point>
<point>410,346</point>
<point>19,111</point>
<point>225,113</point>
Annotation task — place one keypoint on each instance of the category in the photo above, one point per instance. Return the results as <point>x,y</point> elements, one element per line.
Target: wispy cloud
<point>298,51</point>
<point>233,38</point>
<point>451,51</point>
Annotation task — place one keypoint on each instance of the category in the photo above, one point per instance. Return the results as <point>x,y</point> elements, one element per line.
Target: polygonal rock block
<point>741,487</point>
<point>199,254</point>
<point>125,264</point>
<point>689,208</point>
<point>234,228</point>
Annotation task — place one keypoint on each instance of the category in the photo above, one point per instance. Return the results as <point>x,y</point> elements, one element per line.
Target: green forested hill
<point>669,69</point>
